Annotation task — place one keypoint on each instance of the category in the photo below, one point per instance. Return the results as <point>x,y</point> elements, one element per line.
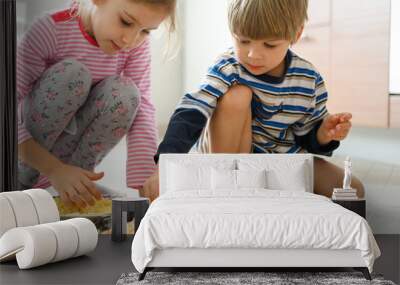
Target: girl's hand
<point>334,127</point>
<point>150,187</point>
<point>75,185</point>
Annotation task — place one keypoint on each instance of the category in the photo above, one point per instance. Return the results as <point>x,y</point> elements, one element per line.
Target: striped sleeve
<point>37,47</point>
<point>316,112</point>
<point>220,77</point>
<point>142,137</point>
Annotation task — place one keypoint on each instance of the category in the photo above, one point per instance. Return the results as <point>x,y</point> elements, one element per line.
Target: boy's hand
<point>75,185</point>
<point>334,127</point>
<point>150,187</point>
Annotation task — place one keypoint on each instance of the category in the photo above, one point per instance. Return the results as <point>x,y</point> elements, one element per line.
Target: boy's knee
<point>237,99</point>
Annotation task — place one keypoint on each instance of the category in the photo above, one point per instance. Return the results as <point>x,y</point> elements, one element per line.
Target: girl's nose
<point>129,41</point>
<point>126,41</point>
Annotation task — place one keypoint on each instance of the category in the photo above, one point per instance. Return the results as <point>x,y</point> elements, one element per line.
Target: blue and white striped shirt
<point>283,109</point>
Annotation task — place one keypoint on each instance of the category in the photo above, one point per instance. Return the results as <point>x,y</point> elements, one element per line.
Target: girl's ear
<point>298,35</point>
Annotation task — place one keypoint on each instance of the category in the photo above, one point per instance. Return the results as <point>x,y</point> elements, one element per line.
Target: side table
<point>121,208</point>
<point>357,206</point>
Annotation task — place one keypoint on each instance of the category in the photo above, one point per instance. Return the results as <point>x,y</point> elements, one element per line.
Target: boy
<point>260,97</point>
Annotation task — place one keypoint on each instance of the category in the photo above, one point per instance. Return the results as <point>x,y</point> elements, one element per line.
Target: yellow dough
<point>102,206</point>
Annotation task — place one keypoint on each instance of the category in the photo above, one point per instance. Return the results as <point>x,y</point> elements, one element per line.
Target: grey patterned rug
<point>243,278</point>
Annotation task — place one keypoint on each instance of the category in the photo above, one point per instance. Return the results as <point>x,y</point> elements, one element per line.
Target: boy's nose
<point>253,53</point>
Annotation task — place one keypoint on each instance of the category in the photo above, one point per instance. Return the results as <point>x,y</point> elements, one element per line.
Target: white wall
<point>166,76</point>
<point>395,47</point>
<point>206,35</point>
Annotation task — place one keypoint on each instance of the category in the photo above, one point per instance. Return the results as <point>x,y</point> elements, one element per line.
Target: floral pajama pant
<point>75,121</point>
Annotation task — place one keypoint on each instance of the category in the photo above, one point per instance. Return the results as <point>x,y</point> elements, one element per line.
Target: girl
<point>83,82</point>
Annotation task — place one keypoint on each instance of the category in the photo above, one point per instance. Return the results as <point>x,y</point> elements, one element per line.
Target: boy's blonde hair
<point>262,19</point>
<point>83,6</point>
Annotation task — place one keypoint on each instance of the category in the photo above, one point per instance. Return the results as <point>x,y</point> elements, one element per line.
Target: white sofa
<point>31,231</point>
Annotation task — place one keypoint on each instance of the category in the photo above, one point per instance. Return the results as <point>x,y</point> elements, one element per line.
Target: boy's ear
<point>298,35</point>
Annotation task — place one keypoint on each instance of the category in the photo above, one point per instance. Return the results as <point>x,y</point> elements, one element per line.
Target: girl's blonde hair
<point>262,19</point>
<point>82,6</point>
